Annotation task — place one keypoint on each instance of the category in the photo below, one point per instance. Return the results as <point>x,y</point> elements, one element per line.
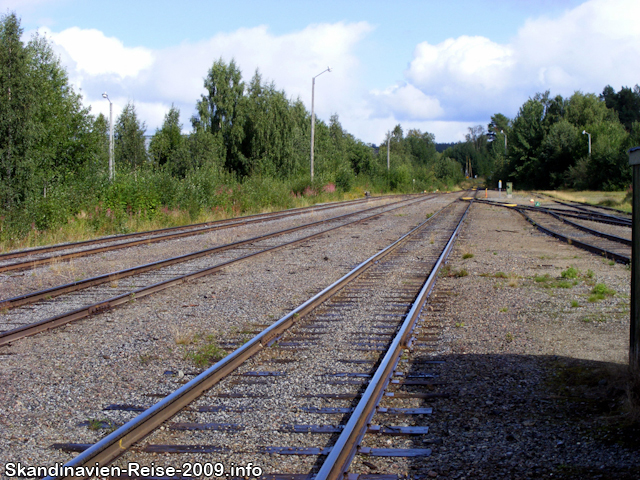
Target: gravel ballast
<point>534,371</point>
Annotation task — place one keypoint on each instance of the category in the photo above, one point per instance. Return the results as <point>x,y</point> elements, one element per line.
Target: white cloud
<point>585,49</point>
<point>96,54</point>
<point>158,78</point>
<point>473,61</point>
<point>446,87</point>
<point>406,102</point>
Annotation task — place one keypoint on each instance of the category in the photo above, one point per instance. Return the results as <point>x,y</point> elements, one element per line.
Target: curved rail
<point>603,207</point>
<point>572,241</point>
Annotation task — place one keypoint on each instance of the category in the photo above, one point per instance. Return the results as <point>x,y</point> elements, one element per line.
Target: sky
<point>436,66</point>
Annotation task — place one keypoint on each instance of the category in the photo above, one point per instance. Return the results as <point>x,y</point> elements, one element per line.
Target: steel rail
<point>218,225</point>
<point>585,204</point>
<point>592,212</point>
<point>115,444</point>
<point>572,241</point>
<point>99,307</point>
<point>33,297</point>
<point>114,238</point>
<point>345,448</point>
<point>564,213</point>
<point>597,233</point>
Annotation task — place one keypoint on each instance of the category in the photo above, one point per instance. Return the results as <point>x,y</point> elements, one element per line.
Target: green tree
<point>220,110</point>
<point>168,146</point>
<point>17,105</point>
<point>268,131</point>
<point>557,154</point>
<point>128,138</point>
<point>422,146</point>
<point>626,103</point>
<point>62,143</point>
<point>527,133</point>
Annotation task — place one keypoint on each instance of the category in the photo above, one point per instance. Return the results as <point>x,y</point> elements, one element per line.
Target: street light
<point>584,132</point>
<point>313,118</point>
<point>111,172</point>
<point>388,150</point>
<point>505,139</point>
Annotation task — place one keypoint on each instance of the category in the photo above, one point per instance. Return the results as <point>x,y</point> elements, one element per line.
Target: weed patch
<point>207,353</point>
<point>570,273</point>
<point>600,292</point>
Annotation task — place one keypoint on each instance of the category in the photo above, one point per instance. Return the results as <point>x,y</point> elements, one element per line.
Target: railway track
<point>589,207</point>
<point>42,310</point>
<point>615,246</point>
<point>299,398</point>
<point>68,251</point>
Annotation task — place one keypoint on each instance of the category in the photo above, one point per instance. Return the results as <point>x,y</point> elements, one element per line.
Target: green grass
<point>462,273</point>
<point>501,275</point>
<point>575,304</point>
<point>570,273</point>
<point>504,310</point>
<point>96,424</point>
<point>542,278</point>
<point>206,354</point>
<point>547,281</point>
<point>600,292</point>
<point>467,255</point>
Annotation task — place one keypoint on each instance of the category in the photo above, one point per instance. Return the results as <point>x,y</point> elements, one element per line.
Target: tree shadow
<point>523,416</point>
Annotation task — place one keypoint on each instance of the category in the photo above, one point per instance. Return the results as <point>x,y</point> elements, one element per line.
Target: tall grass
<point>152,199</point>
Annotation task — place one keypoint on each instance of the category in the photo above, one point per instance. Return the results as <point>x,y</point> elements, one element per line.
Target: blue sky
<point>437,66</point>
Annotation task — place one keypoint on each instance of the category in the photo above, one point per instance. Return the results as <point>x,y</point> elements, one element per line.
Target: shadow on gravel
<point>514,416</point>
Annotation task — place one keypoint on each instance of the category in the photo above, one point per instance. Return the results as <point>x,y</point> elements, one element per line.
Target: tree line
<point>247,148</point>
<point>547,143</point>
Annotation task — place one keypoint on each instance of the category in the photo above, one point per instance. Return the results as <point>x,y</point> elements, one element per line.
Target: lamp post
<point>111,172</point>
<point>584,132</point>
<point>388,151</point>
<point>505,139</point>
<point>313,118</point>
